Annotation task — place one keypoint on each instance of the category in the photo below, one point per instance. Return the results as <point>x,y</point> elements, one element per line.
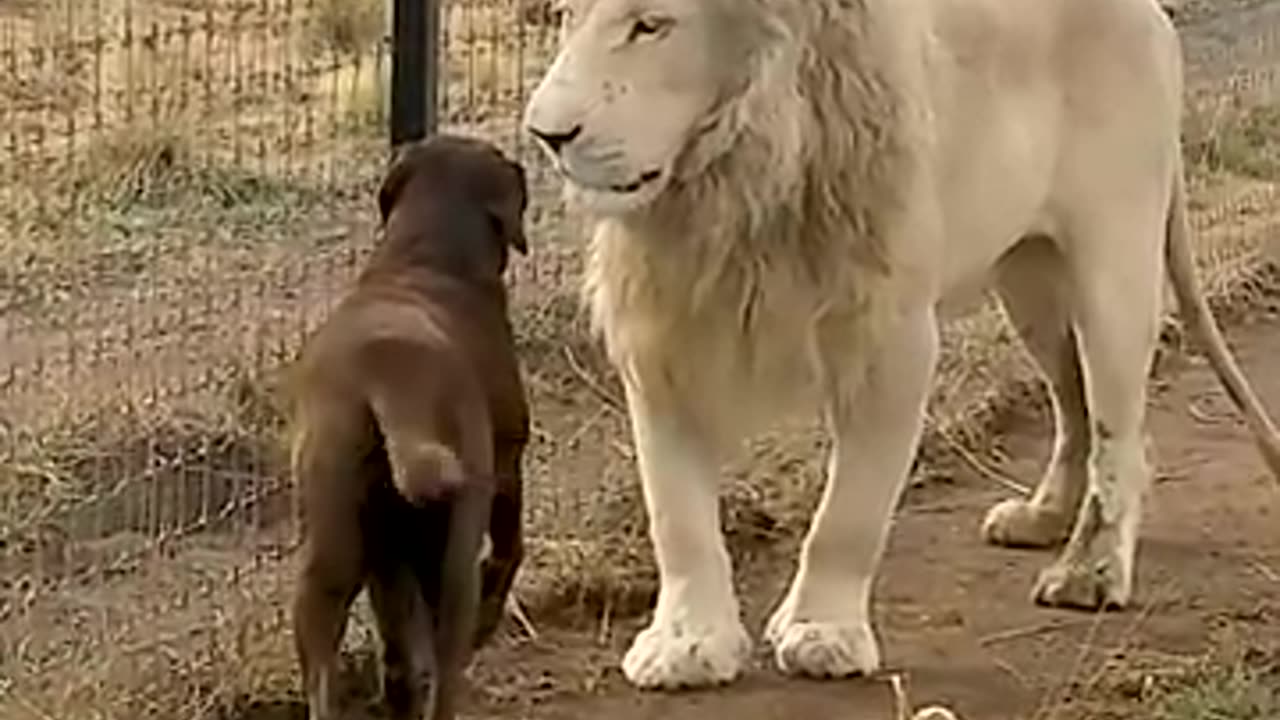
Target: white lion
<point>786,193</point>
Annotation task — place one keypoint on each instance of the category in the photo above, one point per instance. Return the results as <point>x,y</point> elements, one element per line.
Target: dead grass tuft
<point>165,166</point>
<point>133,166</point>
<point>1235,680</point>
<point>89,498</point>
<point>1231,137</point>
<point>348,27</point>
<point>541,13</point>
<point>1237,690</point>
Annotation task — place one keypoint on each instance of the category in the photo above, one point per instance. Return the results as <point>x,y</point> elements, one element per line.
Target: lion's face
<point>635,84</point>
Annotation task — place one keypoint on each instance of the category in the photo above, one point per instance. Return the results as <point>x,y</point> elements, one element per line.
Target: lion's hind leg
<point>1031,280</point>
<point>1116,285</point>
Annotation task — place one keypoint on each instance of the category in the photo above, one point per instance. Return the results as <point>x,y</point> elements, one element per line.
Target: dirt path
<point>955,612</point>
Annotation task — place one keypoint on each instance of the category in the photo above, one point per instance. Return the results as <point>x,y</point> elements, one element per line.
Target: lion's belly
<point>1023,136</point>
<point>996,185</point>
<point>998,113</point>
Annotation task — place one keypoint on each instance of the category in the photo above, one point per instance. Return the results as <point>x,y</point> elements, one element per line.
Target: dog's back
<point>404,401</point>
<point>386,374</point>
<point>394,380</point>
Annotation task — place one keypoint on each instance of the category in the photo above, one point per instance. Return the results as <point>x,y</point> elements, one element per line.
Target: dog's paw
<point>672,655</point>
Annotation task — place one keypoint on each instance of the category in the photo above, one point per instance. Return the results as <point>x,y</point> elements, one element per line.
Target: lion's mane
<point>769,253</point>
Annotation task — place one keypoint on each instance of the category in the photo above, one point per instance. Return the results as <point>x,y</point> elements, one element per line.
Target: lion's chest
<point>733,335</point>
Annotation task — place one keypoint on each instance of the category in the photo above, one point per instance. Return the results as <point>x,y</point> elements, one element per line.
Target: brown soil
<point>954,613</point>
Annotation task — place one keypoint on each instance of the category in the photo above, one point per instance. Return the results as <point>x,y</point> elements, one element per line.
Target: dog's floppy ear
<point>507,210</point>
<point>393,183</point>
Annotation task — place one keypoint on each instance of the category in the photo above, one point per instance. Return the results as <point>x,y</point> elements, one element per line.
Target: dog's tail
<point>437,432</point>
<point>434,431</point>
<point>423,470</point>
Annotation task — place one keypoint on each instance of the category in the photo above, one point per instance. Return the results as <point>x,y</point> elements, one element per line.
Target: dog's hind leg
<point>404,623</point>
<point>332,562</point>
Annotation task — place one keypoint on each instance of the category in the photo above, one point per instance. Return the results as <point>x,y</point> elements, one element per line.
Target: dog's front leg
<point>459,598</point>
<point>696,637</point>
<point>507,536</point>
<point>822,628</point>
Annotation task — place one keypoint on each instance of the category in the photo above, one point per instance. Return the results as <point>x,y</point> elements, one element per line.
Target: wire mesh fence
<point>184,186</point>
<point>184,189</point>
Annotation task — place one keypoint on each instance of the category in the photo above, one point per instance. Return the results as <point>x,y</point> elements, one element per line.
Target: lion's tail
<point>1198,318</point>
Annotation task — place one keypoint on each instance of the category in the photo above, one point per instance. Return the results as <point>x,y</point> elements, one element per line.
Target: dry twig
<point>592,383</point>
<point>516,609</point>
<point>902,704</point>
<point>980,467</point>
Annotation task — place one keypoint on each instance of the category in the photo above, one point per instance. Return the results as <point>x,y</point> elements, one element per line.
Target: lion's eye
<point>647,27</point>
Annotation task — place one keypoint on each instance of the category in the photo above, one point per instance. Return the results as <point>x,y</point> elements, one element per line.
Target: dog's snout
<point>556,140</point>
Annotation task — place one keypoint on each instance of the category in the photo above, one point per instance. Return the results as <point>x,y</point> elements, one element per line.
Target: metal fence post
<point>415,69</point>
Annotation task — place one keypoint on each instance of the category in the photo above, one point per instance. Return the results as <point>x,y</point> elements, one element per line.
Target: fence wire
<point>185,188</point>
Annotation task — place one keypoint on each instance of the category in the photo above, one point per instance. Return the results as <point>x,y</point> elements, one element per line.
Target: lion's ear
<point>393,183</point>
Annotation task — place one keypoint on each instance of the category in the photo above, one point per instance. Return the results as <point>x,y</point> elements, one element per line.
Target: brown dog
<point>410,422</point>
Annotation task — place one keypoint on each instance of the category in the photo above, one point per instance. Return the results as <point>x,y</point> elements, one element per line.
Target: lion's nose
<point>556,140</point>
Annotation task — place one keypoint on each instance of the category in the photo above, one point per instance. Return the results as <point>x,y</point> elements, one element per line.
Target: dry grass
<point>1245,141</point>
<point>349,27</point>
<point>1236,691</point>
<point>1237,679</point>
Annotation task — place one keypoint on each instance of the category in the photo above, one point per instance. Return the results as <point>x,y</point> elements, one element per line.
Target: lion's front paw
<point>672,656</point>
<point>1095,569</point>
<point>1082,585</point>
<point>820,649</point>
<point>825,650</point>
<point>1018,523</point>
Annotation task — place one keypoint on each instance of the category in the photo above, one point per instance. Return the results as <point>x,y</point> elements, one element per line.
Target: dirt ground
<point>954,613</point>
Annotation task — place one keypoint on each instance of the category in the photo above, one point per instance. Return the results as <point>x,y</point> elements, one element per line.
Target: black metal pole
<point>415,69</point>
<point>433,77</point>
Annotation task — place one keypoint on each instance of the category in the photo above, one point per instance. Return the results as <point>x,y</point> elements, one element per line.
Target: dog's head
<point>462,170</point>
